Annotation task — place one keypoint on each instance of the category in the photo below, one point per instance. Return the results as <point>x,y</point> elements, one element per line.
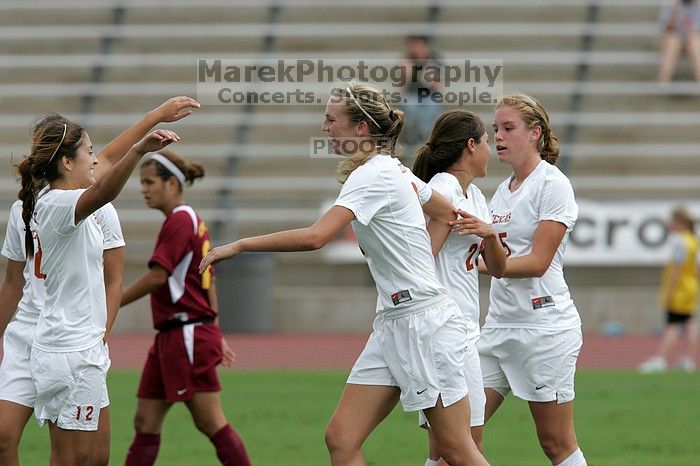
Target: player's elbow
<point>540,269</point>
<point>314,241</point>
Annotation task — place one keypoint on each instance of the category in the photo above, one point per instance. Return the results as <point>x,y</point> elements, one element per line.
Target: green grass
<point>622,419</point>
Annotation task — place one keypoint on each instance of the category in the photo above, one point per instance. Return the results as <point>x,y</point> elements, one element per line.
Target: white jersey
<point>539,303</point>
<point>69,259</point>
<point>457,261</point>
<point>390,229</point>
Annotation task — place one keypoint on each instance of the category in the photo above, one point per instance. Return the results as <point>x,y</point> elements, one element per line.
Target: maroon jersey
<point>182,242</point>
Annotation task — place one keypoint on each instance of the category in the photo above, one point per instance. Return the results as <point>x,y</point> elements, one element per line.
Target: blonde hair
<point>366,103</point>
<point>683,217</point>
<point>533,114</point>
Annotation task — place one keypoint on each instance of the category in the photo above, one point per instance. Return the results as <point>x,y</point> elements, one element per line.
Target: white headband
<point>65,128</point>
<point>171,167</point>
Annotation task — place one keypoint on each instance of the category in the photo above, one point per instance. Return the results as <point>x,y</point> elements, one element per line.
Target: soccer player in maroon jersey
<point>181,364</point>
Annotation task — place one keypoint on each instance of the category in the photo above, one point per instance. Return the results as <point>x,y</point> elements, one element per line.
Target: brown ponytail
<point>53,137</point>
<point>448,138</point>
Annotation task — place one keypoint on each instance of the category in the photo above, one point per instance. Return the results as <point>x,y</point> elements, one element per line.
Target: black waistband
<point>175,323</point>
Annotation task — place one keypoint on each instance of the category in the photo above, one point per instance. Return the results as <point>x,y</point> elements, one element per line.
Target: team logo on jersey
<point>543,301</point>
<point>500,218</point>
<point>401,297</point>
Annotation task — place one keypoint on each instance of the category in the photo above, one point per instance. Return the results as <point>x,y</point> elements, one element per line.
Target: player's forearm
<point>301,239</point>
<point>114,296</point>
<point>145,285</point>
<point>494,257</point>
<point>528,266</point>
<point>438,232</point>
<point>115,150</point>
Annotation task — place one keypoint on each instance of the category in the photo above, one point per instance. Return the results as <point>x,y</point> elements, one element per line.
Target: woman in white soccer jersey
<point>17,391</point>
<point>532,335</point>
<point>456,153</point>
<point>69,359</point>
<point>23,291</point>
<point>415,316</point>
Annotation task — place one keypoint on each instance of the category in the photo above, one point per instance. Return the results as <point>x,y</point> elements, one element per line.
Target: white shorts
<point>475,385</point>
<point>71,387</point>
<point>16,384</point>
<point>537,365</point>
<point>421,352</point>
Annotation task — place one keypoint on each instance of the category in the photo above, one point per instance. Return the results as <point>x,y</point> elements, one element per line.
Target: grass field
<point>622,419</point>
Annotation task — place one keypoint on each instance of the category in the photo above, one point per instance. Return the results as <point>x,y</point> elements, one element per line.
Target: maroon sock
<point>229,447</point>
<point>143,451</point>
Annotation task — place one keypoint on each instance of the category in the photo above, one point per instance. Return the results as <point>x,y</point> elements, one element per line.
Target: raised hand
<point>218,254</point>
<point>155,141</point>
<point>175,109</point>
<point>468,224</point>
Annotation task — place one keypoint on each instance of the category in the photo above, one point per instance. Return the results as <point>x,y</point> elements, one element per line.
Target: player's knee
<point>8,442</point>
<point>554,445</point>
<point>339,439</point>
<point>99,457</point>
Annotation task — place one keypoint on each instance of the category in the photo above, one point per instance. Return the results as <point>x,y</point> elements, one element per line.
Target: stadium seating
<point>103,63</point>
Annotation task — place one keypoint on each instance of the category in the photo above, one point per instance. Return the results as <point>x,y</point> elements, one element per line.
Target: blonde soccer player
<point>416,353</point>
<point>532,335</point>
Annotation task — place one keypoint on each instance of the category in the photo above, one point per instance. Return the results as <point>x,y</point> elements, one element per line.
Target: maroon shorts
<point>181,362</point>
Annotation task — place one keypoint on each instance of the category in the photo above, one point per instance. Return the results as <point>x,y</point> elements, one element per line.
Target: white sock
<point>576,459</point>
<point>430,462</point>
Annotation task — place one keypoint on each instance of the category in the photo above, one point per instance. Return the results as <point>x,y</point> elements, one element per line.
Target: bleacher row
<point>103,63</point>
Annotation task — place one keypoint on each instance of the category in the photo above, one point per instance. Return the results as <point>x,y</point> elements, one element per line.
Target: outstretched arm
<point>302,239</point>
<point>145,284</point>
<point>171,110</point>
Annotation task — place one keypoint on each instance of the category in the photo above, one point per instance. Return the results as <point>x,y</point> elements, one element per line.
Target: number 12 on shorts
<point>85,411</point>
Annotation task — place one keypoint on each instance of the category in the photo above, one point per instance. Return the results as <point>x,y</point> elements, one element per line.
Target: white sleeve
<point>422,188</point>
<point>13,246</point>
<point>111,228</point>
<point>558,202</point>
<point>484,213</point>
<point>364,193</point>
<point>62,215</point>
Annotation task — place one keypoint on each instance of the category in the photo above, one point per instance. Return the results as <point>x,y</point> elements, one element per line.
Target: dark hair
<point>451,132</point>
<point>533,114</point>
<point>365,103</point>
<point>53,137</point>
<point>191,170</point>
